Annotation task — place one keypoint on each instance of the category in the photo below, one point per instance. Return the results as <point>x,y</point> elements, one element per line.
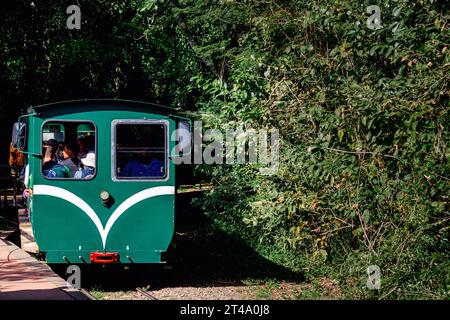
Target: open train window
<point>69,150</point>
<point>139,150</point>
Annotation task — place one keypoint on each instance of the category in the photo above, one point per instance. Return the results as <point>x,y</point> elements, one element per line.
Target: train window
<point>68,150</point>
<point>140,150</point>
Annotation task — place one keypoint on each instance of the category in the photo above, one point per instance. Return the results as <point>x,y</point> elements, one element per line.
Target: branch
<point>378,153</point>
<point>193,44</point>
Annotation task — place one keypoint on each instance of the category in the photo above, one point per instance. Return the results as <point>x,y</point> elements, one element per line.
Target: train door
<point>64,177</point>
<point>142,189</point>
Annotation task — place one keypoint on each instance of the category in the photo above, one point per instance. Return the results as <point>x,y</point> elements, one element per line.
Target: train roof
<point>151,107</point>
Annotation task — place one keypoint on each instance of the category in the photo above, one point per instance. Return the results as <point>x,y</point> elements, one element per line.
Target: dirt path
<point>272,290</point>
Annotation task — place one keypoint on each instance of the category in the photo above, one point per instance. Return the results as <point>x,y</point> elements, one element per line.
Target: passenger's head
<point>82,143</point>
<point>49,150</point>
<point>90,143</point>
<point>71,150</point>
<point>60,147</point>
<point>89,161</point>
<point>53,143</point>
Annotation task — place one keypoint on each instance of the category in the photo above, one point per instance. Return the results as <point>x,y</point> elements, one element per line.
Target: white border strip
<point>80,203</point>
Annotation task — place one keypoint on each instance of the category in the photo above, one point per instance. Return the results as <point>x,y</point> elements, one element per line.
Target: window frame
<point>96,149</point>
<point>114,125</point>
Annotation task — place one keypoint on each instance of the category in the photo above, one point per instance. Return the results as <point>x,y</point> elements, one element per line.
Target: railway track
<point>87,294</point>
<point>138,291</point>
<point>144,293</point>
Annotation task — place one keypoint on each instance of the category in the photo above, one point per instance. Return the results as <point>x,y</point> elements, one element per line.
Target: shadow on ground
<point>199,256</point>
<point>9,229</point>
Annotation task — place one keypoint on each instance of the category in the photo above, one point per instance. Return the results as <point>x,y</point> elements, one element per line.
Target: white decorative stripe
<point>72,198</point>
<point>131,201</point>
<point>80,203</point>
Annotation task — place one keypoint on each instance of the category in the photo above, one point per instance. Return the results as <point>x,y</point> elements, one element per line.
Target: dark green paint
<point>63,230</point>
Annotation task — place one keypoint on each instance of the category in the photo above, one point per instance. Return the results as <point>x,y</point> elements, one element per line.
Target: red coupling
<point>104,257</point>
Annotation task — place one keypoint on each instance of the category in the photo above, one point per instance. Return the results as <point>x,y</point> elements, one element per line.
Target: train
<point>100,179</point>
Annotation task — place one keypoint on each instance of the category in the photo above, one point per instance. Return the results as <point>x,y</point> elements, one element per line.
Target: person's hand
<point>26,193</point>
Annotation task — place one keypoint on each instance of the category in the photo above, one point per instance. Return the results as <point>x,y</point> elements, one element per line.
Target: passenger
<point>50,168</point>
<point>89,167</point>
<point>71,159</point>
<point>87,145</point>
<point>49,159</point>
<point>138,168</point>
<point>53,143</point>
<point>90,143</point>
<point>60,152</point>
<point>82,144</point>
<point>156,168</point>
<point>15,161</point>
<point>133,168</point>
<point>58,171</point>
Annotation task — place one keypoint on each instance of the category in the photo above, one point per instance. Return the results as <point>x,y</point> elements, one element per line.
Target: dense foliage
<point>363,116</point>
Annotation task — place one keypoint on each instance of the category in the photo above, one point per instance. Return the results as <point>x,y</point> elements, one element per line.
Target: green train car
<point>100,179</point>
